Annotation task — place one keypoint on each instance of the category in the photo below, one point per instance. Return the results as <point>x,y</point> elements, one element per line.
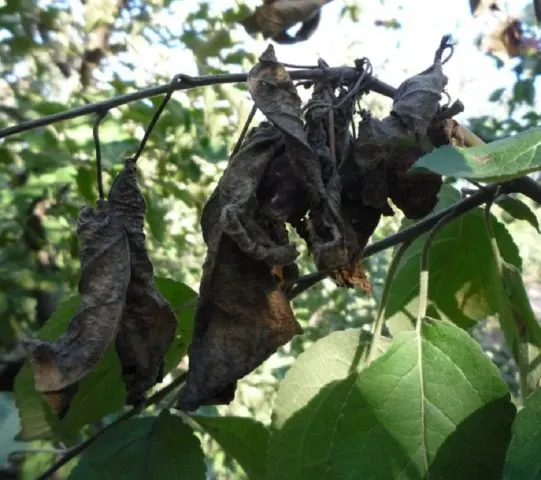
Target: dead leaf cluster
<point>303,167</point>
<point>119,301</point>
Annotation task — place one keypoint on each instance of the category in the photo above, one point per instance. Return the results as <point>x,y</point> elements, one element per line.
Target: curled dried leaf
<point>242,317</point>
<point>275,16</point>
<point>239,205</point>
<point>105,273</point>
<point>275,95</point>
<point>417,99</point>
<point>148,324</point>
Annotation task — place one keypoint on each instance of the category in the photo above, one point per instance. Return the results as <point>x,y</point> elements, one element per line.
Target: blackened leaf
<point>275,95</point>
<point>241,319</point>
<point>417,99</point>
<point>273,17</point>
<point>236,195</point>
<point>148,322</point>
<point>144,448</point>
<point>101,392</point>
<point>105,272</point>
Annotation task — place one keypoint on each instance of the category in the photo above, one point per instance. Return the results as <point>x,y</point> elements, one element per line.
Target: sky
<point>395,55</point>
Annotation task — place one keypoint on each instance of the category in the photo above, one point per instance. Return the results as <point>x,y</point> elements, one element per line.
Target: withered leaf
<point>478,7</point>
<point>148,324</point>
<point>275,95</point>
<point>105,273</point>
<point>275,16</point>
<point>242,317</point>
<point>417,99</point>
<point>238,202</point>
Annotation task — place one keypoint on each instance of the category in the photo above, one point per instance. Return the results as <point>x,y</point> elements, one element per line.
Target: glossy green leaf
<point>161,447</point>
<point>523,459</point>
<point>519,210</point>
<point>242,438</point>
<point>461,266</point>
<point>429,407</point>
<point>101,392</point>
<point>497,161</point>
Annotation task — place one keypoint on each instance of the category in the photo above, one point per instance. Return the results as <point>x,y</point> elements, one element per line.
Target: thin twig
<point>345,74</point>
<point>97,146</point>
<point>245,128</point>
<point>72,453</point>
<point>424,274</point>
<point>172,86</point>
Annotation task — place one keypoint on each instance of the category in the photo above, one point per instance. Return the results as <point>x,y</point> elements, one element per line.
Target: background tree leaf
<point>243,438</point>
<point>461,266</point>
<point>497,161</point>
<point>151,447</point>
<point>429,407</point>
<point>519,210</point>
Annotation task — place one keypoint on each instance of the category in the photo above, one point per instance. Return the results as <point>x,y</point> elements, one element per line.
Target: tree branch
<point>187,82</point>
<point>524,185</point>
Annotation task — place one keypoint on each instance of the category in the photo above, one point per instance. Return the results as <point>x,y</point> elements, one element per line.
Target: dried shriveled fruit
<point>148,323</point>
<point>105,273</point>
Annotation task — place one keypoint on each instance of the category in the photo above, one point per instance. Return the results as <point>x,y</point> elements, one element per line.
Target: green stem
<point>424,276</point>
<point>378,324</point>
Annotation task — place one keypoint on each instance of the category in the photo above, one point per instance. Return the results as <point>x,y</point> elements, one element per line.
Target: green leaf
<point>429,407</point>
<point>497,161</point>
<point>87,184</point>
<point>162,447</point>
<point>496,95</point>
<point>519,210</point>
<point>460,271</point>
<point>9,425</point>
<point>523,460</point>
<point>155,217</point>
<point>308,385</point>
<point>101,392</point>
<point>37,420</point>
<point>517,319</point>
<point>244,439</point>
